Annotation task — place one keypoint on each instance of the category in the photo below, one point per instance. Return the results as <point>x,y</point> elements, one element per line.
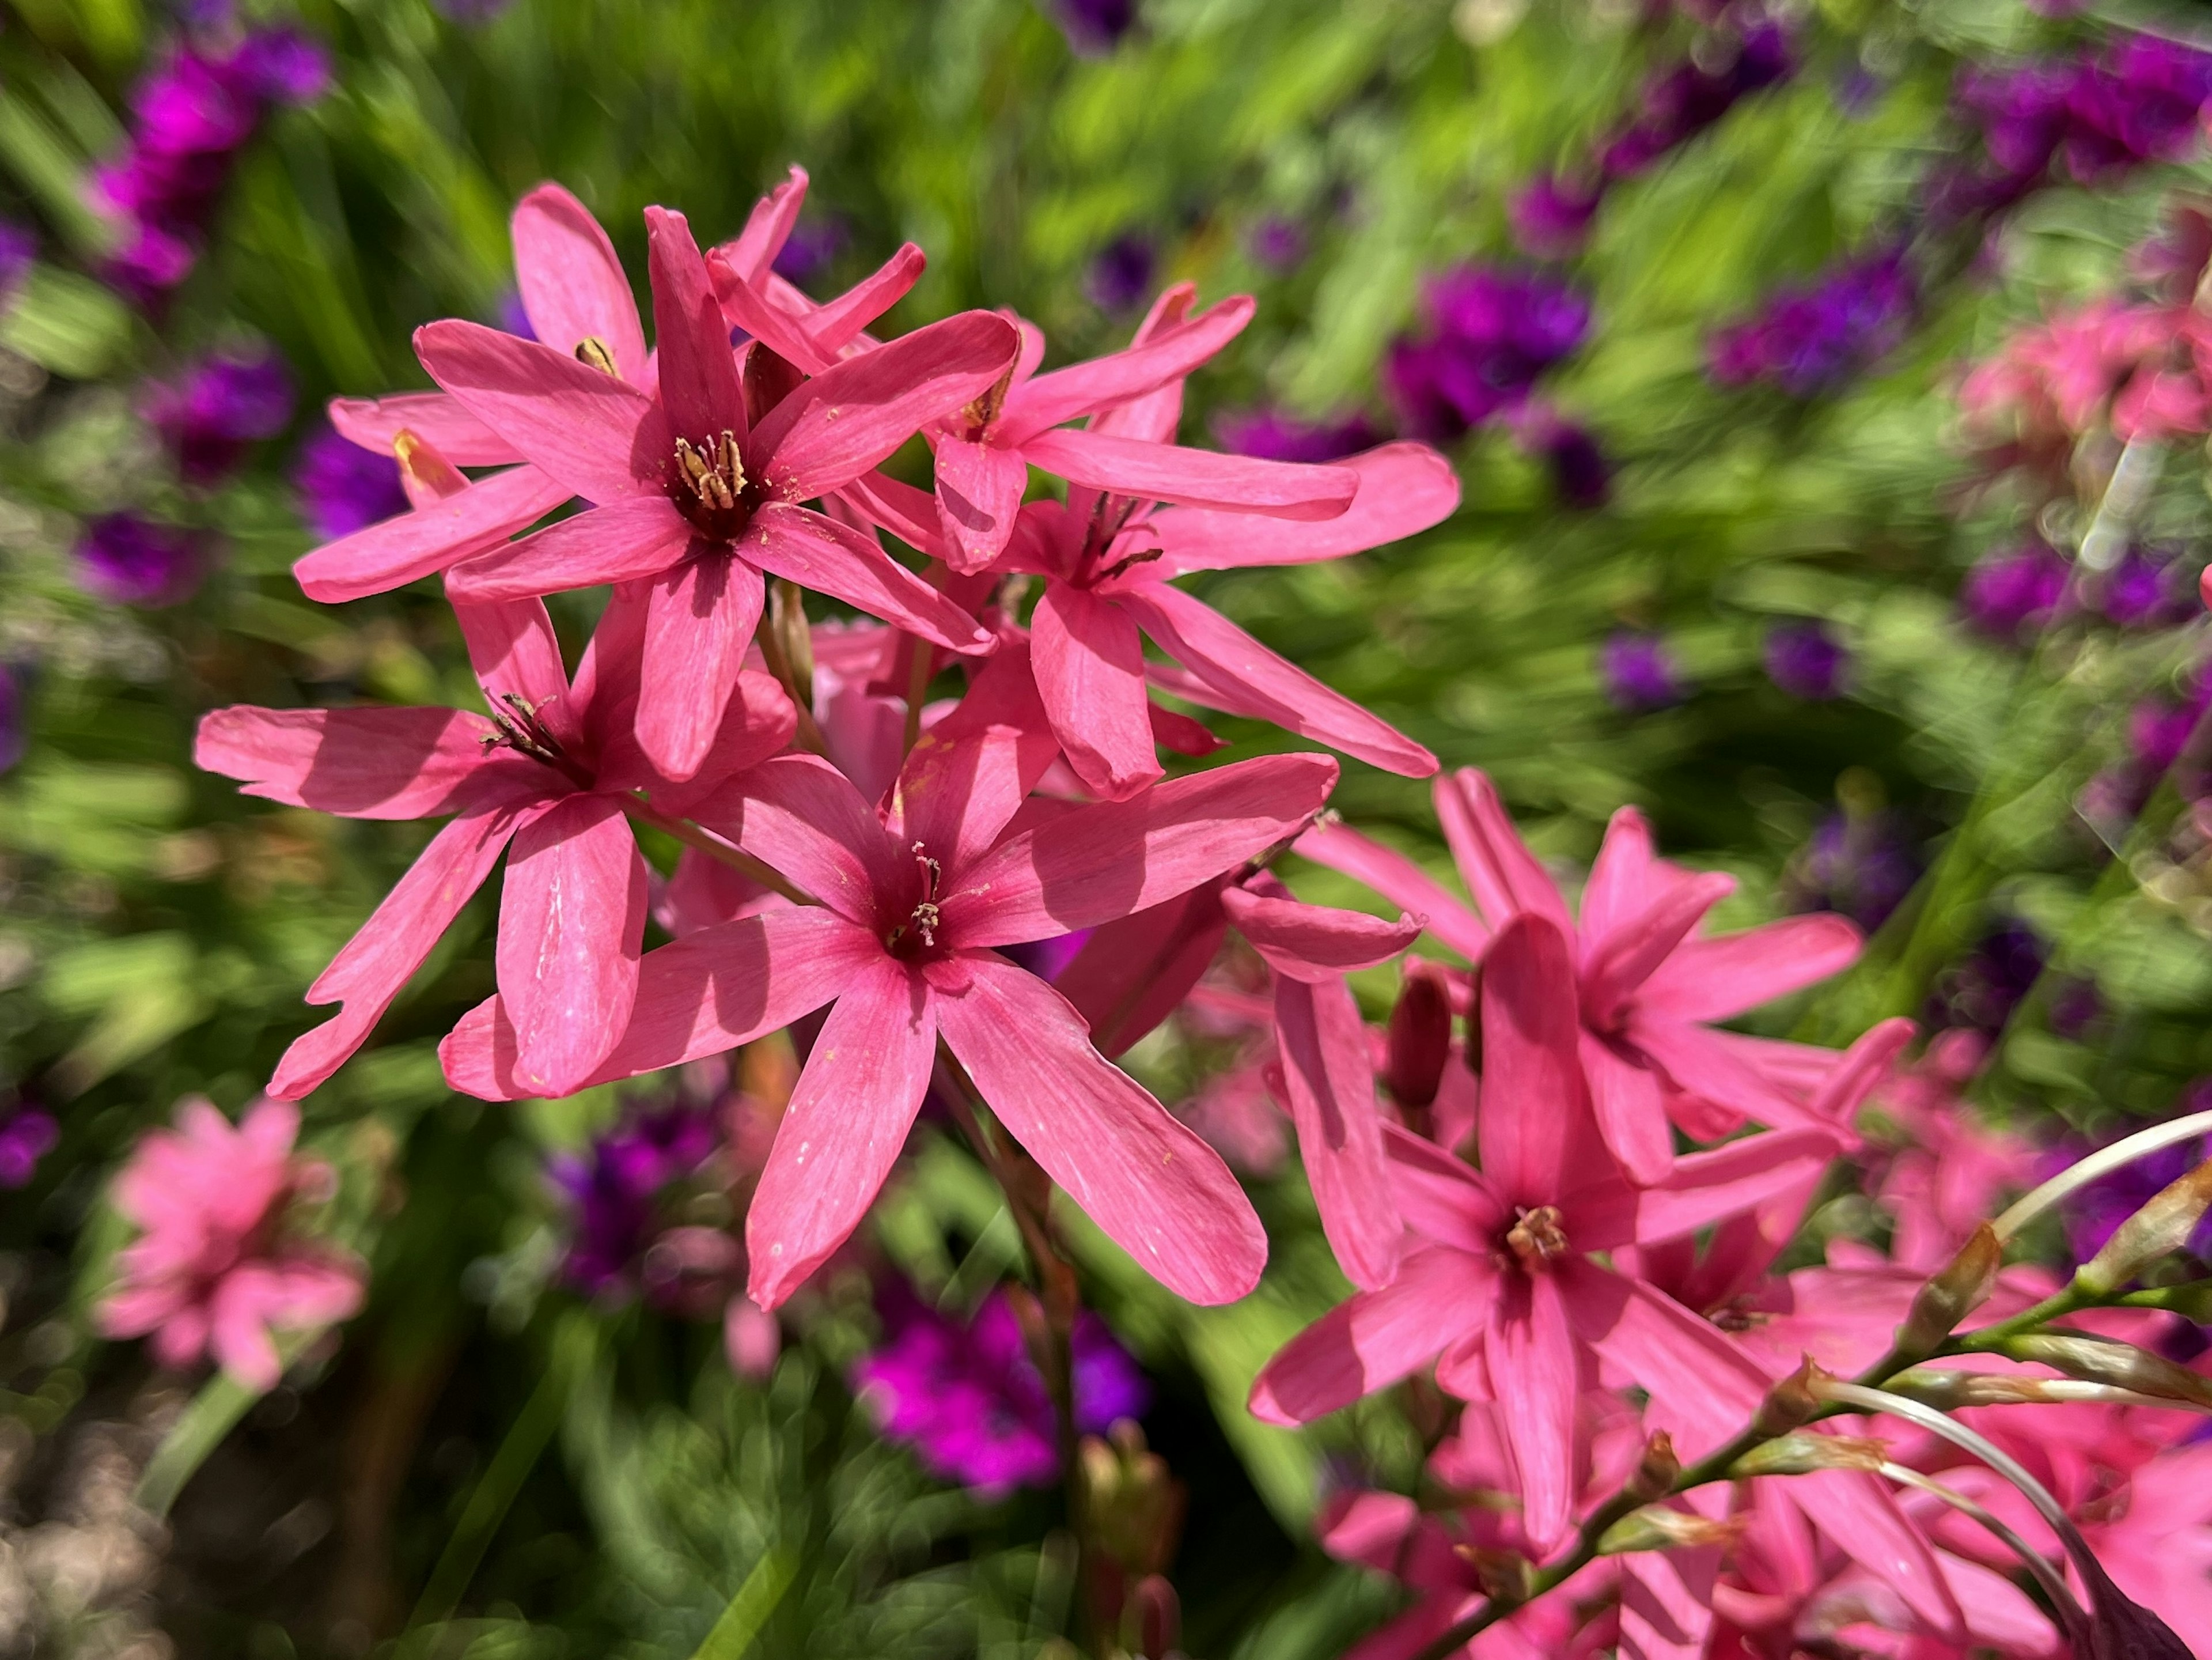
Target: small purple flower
<point>2076,1008</point>
<point>18,251</point>
<point>1806,661</point>
<point>2012,590</point>
<point>1808,339</point>
<point>1271,435</point>
<point>1493,331</point>
<point>342,487</point>
<point>1638,671</point>
<point>1687,99</point>
<point>26,1135</point>
<point>812,247</point>
<point>2093,1214</point>
<point>1277,244</point>
<point>1581,476</point>
<point>13,739</point>
<point>970,1402</point>
<point>190,106</point>
<point>1095,27</point>
<point>2142,102</point>
<point>2145,591</point>
<point>129,561</point>
<point>1551,215</point>
<point>220,406</point>
<point>1122,275</point>
<point>281,66</point>
<point>1983,991</point>
<point>1857,864</point>
<point>150,264</point>
<point>612,1189</point>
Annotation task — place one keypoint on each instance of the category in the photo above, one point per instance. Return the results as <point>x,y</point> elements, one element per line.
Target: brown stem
<point>715,847</point>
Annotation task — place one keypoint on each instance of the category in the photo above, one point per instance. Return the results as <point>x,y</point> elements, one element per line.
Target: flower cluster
<point>208,414</point>
<point>1808,338</point>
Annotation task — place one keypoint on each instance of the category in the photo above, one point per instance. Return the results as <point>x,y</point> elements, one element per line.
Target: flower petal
<point>1404,489</point>
<point>624,541</point>
<point>1626,879</point>
<point>438,419</point>
<point>1135,972</point>
<point>1500,872</point>
<point>366,762</point>
<point>802,818</point>
<point>516,654</point>
<point>753,250</point>
<point>395,551</point>
<point>1378,1337</point>
<point>1199,478</point>
<point>1329,1080</point>
<point>1314,943</point>
<point>1630,1109</point>
<point>699,620</point>
<point>573,287</point>
<point>696,371</point>
<point>1535,1375</point>
<point>1719,978</point>
<point>1399,879</point>
<point>744,306</point>
<point>1080,389</point>
<point>1089,664</point>
<point>1699,1065</point>
<point>836,323</point>
<point>971,772</point>
<point>1702,1387</point>
<point>816,552</point>
<point>979,492</point>
<point>1614,968</point>
<point>1533,1102</point>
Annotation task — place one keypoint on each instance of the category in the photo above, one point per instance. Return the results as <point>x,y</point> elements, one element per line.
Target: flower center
<point>707,481</point>
<point>1537,1237</point>
<point>523,730</point>
<point>918,933</point>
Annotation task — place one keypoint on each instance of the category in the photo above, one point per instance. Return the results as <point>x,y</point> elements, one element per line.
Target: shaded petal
<point>699,619</point>
<point>1378,1337</point>
<point>1704,1387</point>
<point>744,306</point>
<point>1626,879</point>
<point>573,287</point>
<point>1533,1097</point>
<point>837,322</point>
<point>1106,860</point>
<point>571,923</point>
<point>1156,1189</point>
<point>366,762</point>
<point>1701,1067</point>
<point>1630,1109</point>
<point>1199,478</point>
<point>621,542</point>
<point>908,514</point>
<point>438,419</point>
<point>1443,1198</point>
<point>707,993</point>
<point>1717,979</point>
<point>816,552</point>
<point>1135,972</point>
<point>1404,489</point>
<point>979,492</point>
<point>1154,417</point>
<point>1535,1377</point>
<point>856,1098</point>
<point>757,721</point>
<point>1314,943</point>
<point>1702,1189</point>
<point>697,373</point>
<point>1399,879</point>
<point>1666,1603</point>
<point>1501,872</point>
<point>1081,388</point>
<point>1836,1102</point>
<point>968,776</point>
<point>515,654</point>
<point>1613,968</point>
<point>802,818</point>
<point>395,551</point>
<point>1330,1080</point>
<point>1859,1514</point>
<point>1090,665</point>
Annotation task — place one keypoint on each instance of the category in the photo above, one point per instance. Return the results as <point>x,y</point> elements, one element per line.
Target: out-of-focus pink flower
<point>215,1269</point>
<point>1947,1178</point>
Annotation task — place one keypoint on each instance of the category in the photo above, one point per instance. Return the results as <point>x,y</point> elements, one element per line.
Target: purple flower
<point>1271,435</point>
<point>811,249</point>
<point>342,487</point>
<point>1581,474</point>
<point>2093,1214</point>
<point>1122,275</point>
<point>1277,244</point>
<point>190,106</point>
<point>2140,103</point>
<point>2014,589</point>
<point>510,315</point>
<point>1638,671</point>
<point>1684,101</point>
<point>1551,215</point>
<point>970,1402</point>
<point>613,1191</point>
<point>150,264</point>
<point>2160,728</point>
<point>1805,660</point>
<point>26,1135</point>
<point>1857,864</point>
<point>1983,991</point>
<point>1492,331</point>
<point>281,66</point>
<point>18,251</point>
<point>220,406</point>
<point>129,561</point>
<point>2076,1007</point>
<point>2145,591</point>
<point>1095,27</point>
<point>1808,339</point>
<point>12,736</point>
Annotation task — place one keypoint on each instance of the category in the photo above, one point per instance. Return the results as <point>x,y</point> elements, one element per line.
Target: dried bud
<point>2161,1226</point>
<point>1804,1452</point>
<point>1654,1527</point>
<point>1792,1401</point>
<point>1952,1294</point>
<point>1656,1471</point>
<point>1421,1036</point>
<point>1506,1575</point>
<point>2108,1360</point>
<point>1948,1391</point>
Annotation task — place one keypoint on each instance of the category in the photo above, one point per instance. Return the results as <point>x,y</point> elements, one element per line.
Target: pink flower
<point>1946,1179</point>
<point>213,1270</point>
<point>553,771</point>
<point>913,896</point>
<point>1498,1283</point>
<point>1644,987</point>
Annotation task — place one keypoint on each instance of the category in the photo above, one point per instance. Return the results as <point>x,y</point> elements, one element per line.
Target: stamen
<point>926,917</point>
<point>593,351</point>
<point>713,472</point>
<point>1537,1236</point>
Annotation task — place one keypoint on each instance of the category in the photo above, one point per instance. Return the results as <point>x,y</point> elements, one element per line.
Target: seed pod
<point>1654,1527</point>
<point>1656,1471</point>
<point>2108,1360</point>
<point>1803,1452</point>
<point>2161,1227</point>
<point>1421,1036</point>
<point>1791,1401</point>
<point>1950,1295</point>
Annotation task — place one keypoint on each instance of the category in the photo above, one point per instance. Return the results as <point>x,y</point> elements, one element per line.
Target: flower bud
<point>1948,1391</point>
<point>1952,1294</point>
<point>1506,1575</point>
<point>1156,1614</point>
<point>2161,1226</point>
<point>1656,1527</point>
<point>2108,1360</point>
<point>1790,1402</point>
<point>787,622</point>
<point>1421,1036</point>
<point>1801,1453</point>
<point>1656,1471</point>
<point>1133,1503</point>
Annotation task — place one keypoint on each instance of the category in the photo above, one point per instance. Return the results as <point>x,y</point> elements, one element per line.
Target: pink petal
<point>365,762</point>
<point>1157,1190</point>
<point>768,226</point>
<point>1500,872</point>
<point>1702,1387</point>
<point>1860,1516</point>
<point>742,305</point>
<point>1443,1198</point>
<point>572,285</point>
<point>1717,979</point>
<point>624,541</point>
<point>1631,1110</point>
<point>1700,1066</point>
<point>238,1333</point>
<point>571,921</point>
<point>697,372</point>
<point>1153,419</point>
<point>1199,478</point>
<point>706,993</point>
<point>1535,1371</point>
<point>847,419</point>
<point>816,552</point>
<point>1090,666</point>
<point>1666,1604</point>
<point>1244,678</point>
<point>1865,1065</point>
<point>1533,1097</point>
<point>516,654</point>
<point>839,321</point>
<point>395,551</point>
<point>1314,943</point>
<point>979,492</point>
<point>698,622</point>
<point>369,972</point>
<point>1626,879</point>
<point>908,514</point>
<point>1132,973</point>
<point>802,816</point>
<point>757,721</point>
<point>1107,859</point>
<point>438,419</point>
<point>848,1117</point>
<point>1616,966</point>
<point>1329,1081</point>
<point>1400,880</point>
<point>968,776</point>
<point>1706,1187</point>
<point>599,436</point>
<point>1369,1343</point>
<point>1080,389</point>
<point>1404,489</point>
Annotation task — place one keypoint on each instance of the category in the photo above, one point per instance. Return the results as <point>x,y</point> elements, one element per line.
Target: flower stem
<point>715,847</point>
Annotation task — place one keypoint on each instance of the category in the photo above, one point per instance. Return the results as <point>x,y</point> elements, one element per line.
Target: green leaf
<point>750,1609</point>
<point>67,324</point>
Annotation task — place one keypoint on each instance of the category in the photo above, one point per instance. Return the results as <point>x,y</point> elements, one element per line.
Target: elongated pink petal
<point>1702,1189</point>
<point>1500,872</point>
<point>438,419</point>
<point>1314,943</point>
<point>366,762</point>
<point>1699,1065</point>
<point>1859,1514</point>
<point>1089,664</point>
<point>369,971</point>
<point>1702,1387</point>
<point>1135,972</point>
<point>979,492</point>
<point>839,321</point>
<point>856,1098</point>
<point>571,922</point>
<point>1626,879</point>
<point>1082,388</point>
<point>1244,678</point>
<point>395,551</point>
<point>1106,860</point>
<point>1158,1191</point>
<point>757,721</point>
<point>572,285</point>
<point>1533,1095</point>
<point>516,654</point>
<point>768,226</point>
<point>1153,419</point>
<point>237,1333</point>
<point>624,541</point>
<point>1330,1082</point>
<point>1404,489</point>
<point>1719,978</point>
<point>908,514</point>
<point>1861,1070</point>
<point>802,816</point>
<point>744,306</point>
<point>707,993</point>
<point>1443,1198</point>
<point>1378,1337</point>
<point>1614,969</point>
<point>1199,478</point>
<point>698,622</point>
<point>1399,879</point>
<point>1630,1111</point>
<point>968,774</point>
<point>816,551</point>
<point>845,420</point>
<point>1535,1372</point>
<point>697,373</point>
<point>1667,1603</point>
<point>595,433</point>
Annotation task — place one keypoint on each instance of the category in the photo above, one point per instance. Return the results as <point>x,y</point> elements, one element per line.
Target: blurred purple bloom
<point>150,264</point>
<point>1857,864</point>
<point>971,1404</point>
<point>281,66</point>
<point>2076,1006</point>
<point>344,487</point>
<point>2013,589</point>
<point>811,249</point>
<point>2093,1214</point>
<point>1682,102</point>
<point>1551,215</point>
<point>1581,474</point>
<point>12,736</point>
<point>1983,991</point>
<point>1122,275</point>
<point>2146,591</point>
<point>612,1189</point>
<point>1277,244</point>
<point>129,561</point>
<point>1638,671</point>
<point>27,1136</point>
<point>220,406</point>
<point>1271,435</point>
<point>1805,660</point>
<point>18,251</point>
<point>1492,331</point>
<point>509,314</point>
<point>1809,339</point>
<point>1095,26</point>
